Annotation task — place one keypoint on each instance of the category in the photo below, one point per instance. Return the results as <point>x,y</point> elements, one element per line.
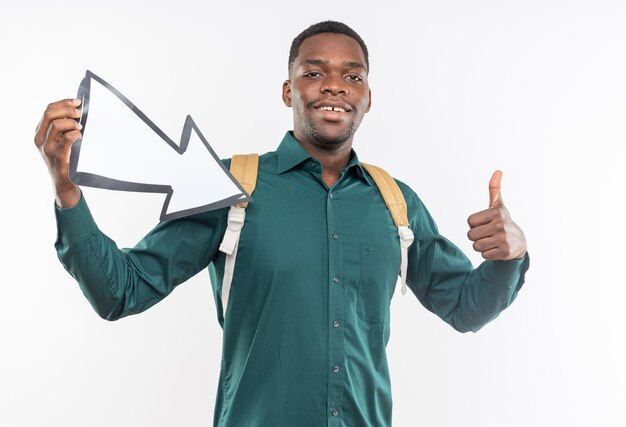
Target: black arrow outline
<point>98,181</point>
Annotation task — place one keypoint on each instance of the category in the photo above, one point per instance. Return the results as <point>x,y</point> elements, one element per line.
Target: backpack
<point>245,169</point>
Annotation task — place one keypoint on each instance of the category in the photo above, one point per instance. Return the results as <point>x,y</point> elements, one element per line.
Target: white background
<point>536,88</point>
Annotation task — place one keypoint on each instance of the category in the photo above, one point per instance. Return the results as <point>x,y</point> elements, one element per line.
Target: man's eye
<point>355,78</point>
<point>312,74</point>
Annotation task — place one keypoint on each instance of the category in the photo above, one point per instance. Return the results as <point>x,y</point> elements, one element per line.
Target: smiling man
<point>308,313</point>
<point>329,94</point>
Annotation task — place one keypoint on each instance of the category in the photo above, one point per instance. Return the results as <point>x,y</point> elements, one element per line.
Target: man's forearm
<point>119,282</point>
<point>487,291</point>
<point>93,260</point>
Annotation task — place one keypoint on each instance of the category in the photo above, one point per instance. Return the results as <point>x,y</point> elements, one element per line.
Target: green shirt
<point>308,316</point>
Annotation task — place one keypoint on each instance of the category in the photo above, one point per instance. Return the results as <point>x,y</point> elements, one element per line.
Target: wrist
<point>67,196</point>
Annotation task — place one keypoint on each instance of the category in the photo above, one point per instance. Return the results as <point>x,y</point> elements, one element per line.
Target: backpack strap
<point>397,208</point>
<point>245,168</point>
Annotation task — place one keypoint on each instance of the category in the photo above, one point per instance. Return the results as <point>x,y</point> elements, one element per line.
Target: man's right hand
<point>55,134</point>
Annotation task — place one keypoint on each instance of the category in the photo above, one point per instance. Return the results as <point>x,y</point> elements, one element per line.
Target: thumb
<point>495,199</point>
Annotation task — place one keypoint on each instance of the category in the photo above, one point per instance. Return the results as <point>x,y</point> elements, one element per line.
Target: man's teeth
<point>339,109</point>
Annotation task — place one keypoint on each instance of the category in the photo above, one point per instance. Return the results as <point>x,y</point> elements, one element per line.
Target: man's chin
<point>331,138</point>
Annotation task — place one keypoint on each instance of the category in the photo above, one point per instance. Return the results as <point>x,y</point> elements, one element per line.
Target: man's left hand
<point>493,232</point>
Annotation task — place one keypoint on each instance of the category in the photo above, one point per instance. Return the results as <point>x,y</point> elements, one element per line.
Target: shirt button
<point>335,369</point>
<point>335,324</point>
<point>335,236</point>
<point>313,164</point>
<point>335,279</point>
<point>331,195</point>
<point>334,412</point>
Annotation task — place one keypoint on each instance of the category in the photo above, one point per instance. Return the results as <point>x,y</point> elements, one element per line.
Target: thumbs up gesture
<point>493,232</point>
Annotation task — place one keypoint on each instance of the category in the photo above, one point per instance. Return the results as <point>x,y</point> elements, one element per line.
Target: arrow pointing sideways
<point>122,149</point>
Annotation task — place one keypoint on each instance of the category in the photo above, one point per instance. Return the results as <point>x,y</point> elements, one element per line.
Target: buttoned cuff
<point>74,224</point>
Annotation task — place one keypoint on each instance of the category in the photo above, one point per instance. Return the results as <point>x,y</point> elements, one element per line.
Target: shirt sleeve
<point>445,282</point>
<point>119,282</point>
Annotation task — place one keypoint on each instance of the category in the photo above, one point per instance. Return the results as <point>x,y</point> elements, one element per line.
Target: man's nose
<point>333,84</point>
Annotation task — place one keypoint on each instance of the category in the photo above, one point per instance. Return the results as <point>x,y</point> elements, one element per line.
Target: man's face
<point>328,90</point>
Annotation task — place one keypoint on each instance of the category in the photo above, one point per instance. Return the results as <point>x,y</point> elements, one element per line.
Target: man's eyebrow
<point>315,61</point>
<point>351,64</point>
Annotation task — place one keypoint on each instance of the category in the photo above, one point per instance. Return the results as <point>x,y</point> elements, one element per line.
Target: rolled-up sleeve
<point>119,282</point>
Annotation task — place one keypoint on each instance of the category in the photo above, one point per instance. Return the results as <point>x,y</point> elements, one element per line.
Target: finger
<point>52,113</point>
<point>484,231</point>
<point>66,108</point>
<point>482,217</point>
<point>495,198</point>
<point>60,126</point>
<point>58,151</point>
<point>487,244</point>
<point>71,137</point>
<point>493,254</point>
<point>56,136</point>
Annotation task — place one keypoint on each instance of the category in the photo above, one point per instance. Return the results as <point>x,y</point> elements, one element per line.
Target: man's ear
<point>287,93</point>
<point>369,103</point>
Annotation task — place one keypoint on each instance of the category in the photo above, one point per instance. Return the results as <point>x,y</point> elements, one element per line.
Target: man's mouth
<point>334,106</point>
<point>329,108</point>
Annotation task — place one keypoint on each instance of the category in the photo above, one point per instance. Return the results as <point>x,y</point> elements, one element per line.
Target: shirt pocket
<point>379,273</point>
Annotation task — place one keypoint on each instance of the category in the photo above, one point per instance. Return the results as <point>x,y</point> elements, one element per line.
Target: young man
<point>308,314</point>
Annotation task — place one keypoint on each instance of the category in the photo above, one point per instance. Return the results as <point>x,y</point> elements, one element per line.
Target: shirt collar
<point>290,154</point>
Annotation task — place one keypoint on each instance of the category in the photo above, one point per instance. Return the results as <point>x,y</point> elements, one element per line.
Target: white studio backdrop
<point>460,88</point>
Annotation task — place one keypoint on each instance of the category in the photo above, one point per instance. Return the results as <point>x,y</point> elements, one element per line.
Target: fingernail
<point>76,101</point>
<point>76,111</point>
<point>79,126</point>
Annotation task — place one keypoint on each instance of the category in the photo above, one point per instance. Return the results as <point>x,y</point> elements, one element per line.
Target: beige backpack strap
<point>245,168</point>
<point>397,208</point>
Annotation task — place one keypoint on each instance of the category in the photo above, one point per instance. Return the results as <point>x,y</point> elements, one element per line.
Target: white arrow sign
<point>122,149</point>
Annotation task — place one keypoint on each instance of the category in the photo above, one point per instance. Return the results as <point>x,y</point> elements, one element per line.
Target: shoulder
<point>419,217</point>
<point>410,196</point>
<point>413,202</point>
<point>265,160</point>
<point>407,191</point>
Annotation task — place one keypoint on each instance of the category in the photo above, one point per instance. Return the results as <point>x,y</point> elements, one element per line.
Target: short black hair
<point>326,27</point>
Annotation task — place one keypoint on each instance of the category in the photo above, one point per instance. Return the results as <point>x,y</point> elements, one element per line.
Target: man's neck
<point>333,161</point>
